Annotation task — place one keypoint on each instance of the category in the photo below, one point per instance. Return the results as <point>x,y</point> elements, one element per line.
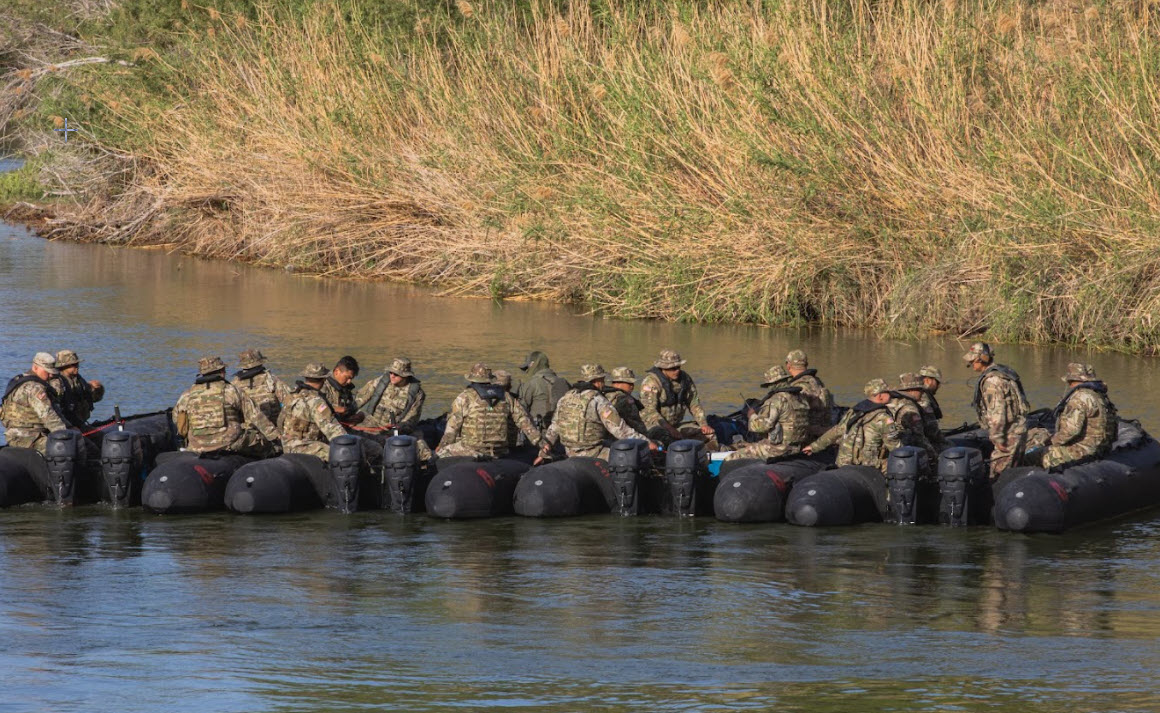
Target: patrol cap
<point>909,382</point>
<point>775,374</point>
<point>623,375</point>
<point>533,356</point>
<point>66,358</point>
<point>479,374</point>
<point>978,350</point>
<point>251,358</point>
<point>499,376</point>
<point>401,366</point>
<point>668,359</point>
<point>931,372</point>
<point>45,361</point>
<point>592,372</point>
<point>1080,372</point>
<point>314,370</point>
<point>875,387</point>
<point>797,357</point>
<point>210,364</point>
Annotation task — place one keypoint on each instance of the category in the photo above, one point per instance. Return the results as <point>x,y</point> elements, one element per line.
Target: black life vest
<point>491,393</point>
<point>1097,386</point>
<point>20,379</point>
<point>671,397</point>
<point>613,390</point>
<point>921,411</point>
<point>246,374</point>
<point>1004,371</point>
<point>861,410</point>
<point>795,390</point>
<point>935,409</point>
<point>345,395</point>
<point>210,378</point>
<point>384,381</point>
<point>71,397</point>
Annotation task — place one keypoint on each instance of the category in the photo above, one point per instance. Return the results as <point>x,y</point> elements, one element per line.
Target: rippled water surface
<point>123,611</point>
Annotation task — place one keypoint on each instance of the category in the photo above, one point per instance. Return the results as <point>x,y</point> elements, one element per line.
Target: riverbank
<point>983,169</point>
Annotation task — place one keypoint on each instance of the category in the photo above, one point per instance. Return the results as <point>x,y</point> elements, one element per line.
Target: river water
<point>103,610</point>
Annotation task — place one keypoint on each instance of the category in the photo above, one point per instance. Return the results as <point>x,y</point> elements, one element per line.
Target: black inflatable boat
<point>752,490</point>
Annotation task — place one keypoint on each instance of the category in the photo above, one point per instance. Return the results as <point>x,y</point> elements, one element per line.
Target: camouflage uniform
<point>664,401</point>
<point>1086,421</point>
<point>340,398</point>
<point>908,414</point>
<point>541,390</point>
<point>400,407</point>
<point>75,395</point>
<point>307,422</point>
<point>214,415</point>
<point>1002,408</point>
<point>267,391</point>
<point>627,405</point>
<point>29,411</point>
<point>585,419</point>
<point>932,412</point>
<point>784,418</point>
<point>815,393</point>
<point>867,432</point>
<point>481,418</point>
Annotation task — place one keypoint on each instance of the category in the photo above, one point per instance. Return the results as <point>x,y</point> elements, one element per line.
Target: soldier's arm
<point>1070,426</point>
<point>46,411</point>
<point>763,421</point>
<point>181,417</point>
<point>695,409</point>
<point>829,438</point>
<point>281,390</point>
<point>551,438</point>
<point>324,418</point>
<point>994,412</point>
<point>650,397</point>
<point>411,417</point>
<point>98,390</point>
<point>454,423</point>
<point>524,421</point>
<point>254,417</point>
<point>612,421</point>
<point>364,392</point>
<point>891,434</point>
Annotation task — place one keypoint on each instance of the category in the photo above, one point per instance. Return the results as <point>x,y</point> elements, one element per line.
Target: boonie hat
<point>909,382</point>
<point>314,370</point>
<point>668,359</point>
<point>931,372</point>
<point>401,366</point>
<point>875,387</point>
<point>1080,372</point>
<point>66,358</point>
<point>45,361</point>
<point>797,358</point>
<point>501,377</point>
<point>592,372</point>
<point>210,364</point>
<point>775,374</point>
<point>978,350</point>
<point>251,358</point>
<point>623,375</point>
<point>479,374</point>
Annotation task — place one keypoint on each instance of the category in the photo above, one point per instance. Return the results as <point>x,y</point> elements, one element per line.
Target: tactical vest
<point>73,397</point>
<point>258,385</point>
<point>935,410</point>
<point>1002,372</point>
<point>485,422</point>
<point>922,414</point>
<point>670,396</point>
<point>392,411</point>
<point>296,422</point>
<point>14,415</point>
<point>854,442</point>
<point>1109,429</point>
<point>576,430</point>
<point>793,424</point>
<point>213,421</point>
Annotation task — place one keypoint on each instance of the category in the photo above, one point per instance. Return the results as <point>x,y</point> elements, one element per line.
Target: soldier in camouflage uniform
<point>339,391</point>
<point>1001,405</point>
<point>783,417</point>
<point>28,410</point>
<point>931,380</point>
<point>541,390</point>
<point>503,379</point>
<point>267,391</point>
<point>585,421</point>
<point>1086,421</point>
<point>75,395</point>
<point>214,415</point>
<point>307,422</point>
<point>399,402</point>
<point>619,394</point>
<point>666,393</point>
<point>820,399</point>
<point>867,432</point>
<point>904,406</point>
<point>481,418</point>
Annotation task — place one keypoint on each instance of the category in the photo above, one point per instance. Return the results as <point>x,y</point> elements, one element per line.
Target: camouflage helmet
<point>931,372</point>
<point>401,366</point>
<point>669,359</point>
<point>209,365</point>
<point>875,387</point>
<point>1080,372</point>
<point>314,370</point>
<point>592,372</point>
<point>797,357</point>
<point>910,382</point>
<point>503,378</point>
<point>978,350</point>
<point>66,358</point>
<point>45,361</point>
<point>251,358</point>
<point>623,375</point>
<point>479,374</point>
<point>774,375</point>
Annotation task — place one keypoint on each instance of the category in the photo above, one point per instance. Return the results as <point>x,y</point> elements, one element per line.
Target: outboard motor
<point>401,473</point>
<point>64,454</point>
<point>345,463</point>
<point>963,480</point>
<point>683,462</point>
<point>903,469</point>
<point>122,458</point>
<point>627,461</point>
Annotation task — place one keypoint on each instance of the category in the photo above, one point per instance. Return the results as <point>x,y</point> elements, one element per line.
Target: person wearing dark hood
<point>541,390</point>
<point>1086,421</point>
<point>214,415</point>
<point>339,391</point>
<point>267,391</point>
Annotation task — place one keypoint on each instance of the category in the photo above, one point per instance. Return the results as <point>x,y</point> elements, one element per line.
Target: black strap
<point>1097,386</point>
<point>671,397</point>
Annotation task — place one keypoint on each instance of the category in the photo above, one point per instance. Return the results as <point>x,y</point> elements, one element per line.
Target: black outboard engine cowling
<point>904,468</point>
<point>345,463</point>
<point>64,454</point>
<point>685,465</point>
<point>965,488</point>
<point>628,460</point>
<point>122,460</point>
<point>401,474</point>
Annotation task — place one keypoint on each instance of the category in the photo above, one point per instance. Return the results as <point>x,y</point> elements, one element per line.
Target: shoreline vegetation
<point>977,167</point>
